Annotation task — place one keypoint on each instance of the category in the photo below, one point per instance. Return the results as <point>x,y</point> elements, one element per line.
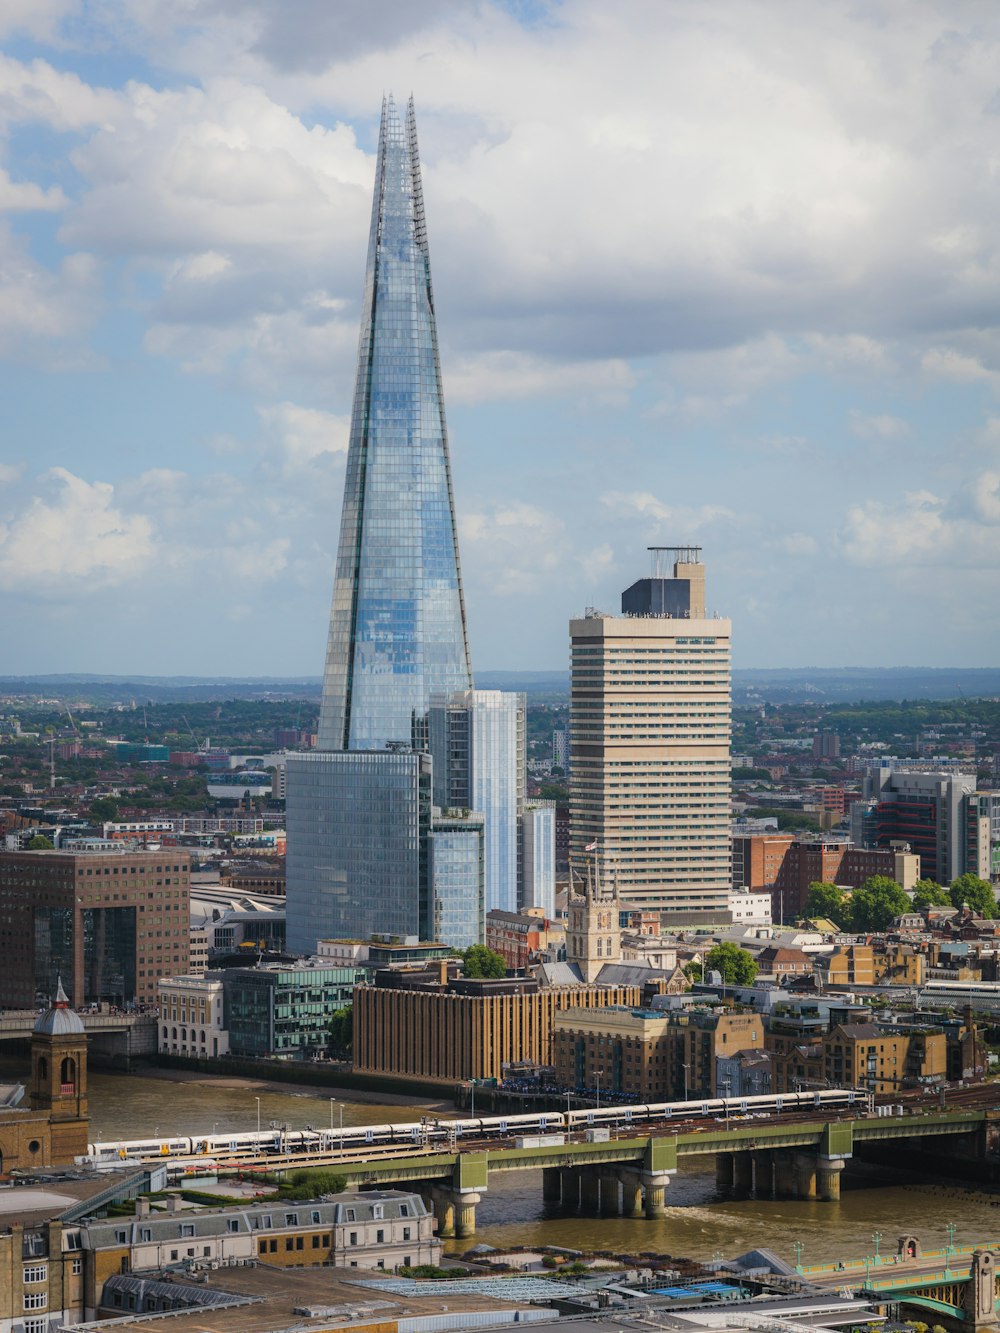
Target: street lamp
<point>798,1247</point>
<point>877,1239</point>
<point>687,1070</point>
<point>257,1145</point>
<point>950,1250</point>
<point>597,1076</point>
<point>341,1105</point>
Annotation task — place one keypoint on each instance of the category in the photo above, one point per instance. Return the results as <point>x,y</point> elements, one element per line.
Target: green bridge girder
<point>835,1139</point>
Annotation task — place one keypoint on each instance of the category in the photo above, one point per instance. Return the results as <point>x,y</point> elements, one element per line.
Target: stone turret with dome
<point>61,1020</point>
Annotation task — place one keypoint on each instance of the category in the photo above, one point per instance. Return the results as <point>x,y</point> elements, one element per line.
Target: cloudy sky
<point>713,271</point>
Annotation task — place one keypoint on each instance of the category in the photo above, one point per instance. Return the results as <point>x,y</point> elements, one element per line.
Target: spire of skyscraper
<point>397,626</point>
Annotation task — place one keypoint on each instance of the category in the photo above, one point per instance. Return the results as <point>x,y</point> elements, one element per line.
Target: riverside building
<point>650,735</point>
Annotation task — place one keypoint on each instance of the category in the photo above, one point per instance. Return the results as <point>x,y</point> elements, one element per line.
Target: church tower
<point>593,932</point>
<point>59,1077</point>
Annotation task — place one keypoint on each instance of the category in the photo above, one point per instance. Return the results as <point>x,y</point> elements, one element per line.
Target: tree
<point>478,961</point>
<point>928,893</point>
<point>104,808</point>
<point>971,891</point>
<point>877,903</point>
<point>342,1031</point>
<point>40,843</point>
<point>736,966</point>
<point>828,900</point>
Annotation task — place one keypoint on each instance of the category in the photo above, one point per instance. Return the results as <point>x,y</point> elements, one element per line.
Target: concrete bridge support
<point>590,1193</point>
<point>631,1194</point>
<point>610,1206</point>
<point>742,1173</point>
<point>655,1188</point>
<point>465,1213</point>
<point>828,1178</point>
<point>442,1201</point>
<point>784,1173</point>
<point>725,1172</point>
<point>569,1181</point>
<point>763,1173</point>
<point>552,1186</point>
<point>805,1175</point>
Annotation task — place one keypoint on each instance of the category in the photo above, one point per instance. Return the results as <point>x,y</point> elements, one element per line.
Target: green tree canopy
<point>736,966</point>
<point>877,903</point>
<point>971,891</point>
<point>478,961</point>
<point>40,843</point>
<point>929,893</point>
<point>828,900</point>
<point>104,808</point>
<point>342,1031</point>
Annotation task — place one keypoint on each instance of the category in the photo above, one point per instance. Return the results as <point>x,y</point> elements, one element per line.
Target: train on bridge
<point>450,1134</point>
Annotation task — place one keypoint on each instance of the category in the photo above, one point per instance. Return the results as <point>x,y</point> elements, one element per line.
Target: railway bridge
<point>630,1175</point>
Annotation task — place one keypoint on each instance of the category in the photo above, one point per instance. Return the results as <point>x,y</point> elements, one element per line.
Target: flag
<point>590,847</point>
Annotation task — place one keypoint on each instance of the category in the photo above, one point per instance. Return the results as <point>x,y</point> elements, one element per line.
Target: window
<point>262,1247</point>
<point>404,1210</point>
<point>36,1326</point>
<point>36,1273</point>
<point>121,1237</point>
<point>288,1243</point>
<point>187,1228</point>
<point>145,1233</point>
<point>173,1254</point>
<point>380,1237</point>
<point>350,1215</point>
<point>291,1219</point>
<point>315,1215</point>
<point>315,1242</point>
<point>353,1239</point>
<point>376,1212</point>
<point>274,1247</point>
<point>406,1233</point>
<point>36,1300</point>
<point>76,1267</point>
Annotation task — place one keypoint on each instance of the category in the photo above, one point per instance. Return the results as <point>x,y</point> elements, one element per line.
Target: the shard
<point>397,627</point>
<point>362,856</point>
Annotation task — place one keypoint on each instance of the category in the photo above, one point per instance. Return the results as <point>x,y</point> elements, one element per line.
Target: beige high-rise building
<point>649,737</point>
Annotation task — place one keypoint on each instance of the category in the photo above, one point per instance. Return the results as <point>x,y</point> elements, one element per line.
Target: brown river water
<point>699,1224</point>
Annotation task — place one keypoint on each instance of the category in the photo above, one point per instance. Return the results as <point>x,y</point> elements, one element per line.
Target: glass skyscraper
<point>397,627</point>
<point>359,807</point>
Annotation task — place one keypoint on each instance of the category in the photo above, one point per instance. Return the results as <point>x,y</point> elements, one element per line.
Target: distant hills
<point>768,684</point>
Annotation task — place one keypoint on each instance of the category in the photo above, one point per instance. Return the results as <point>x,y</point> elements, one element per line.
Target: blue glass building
<point>359,807</point>
<point>397,627</point>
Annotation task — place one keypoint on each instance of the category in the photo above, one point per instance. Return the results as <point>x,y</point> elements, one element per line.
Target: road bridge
<point>629,1174</point>
<point>114,1037</point>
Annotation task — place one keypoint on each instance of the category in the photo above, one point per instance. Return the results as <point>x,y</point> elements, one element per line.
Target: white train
<point>446,1133</point>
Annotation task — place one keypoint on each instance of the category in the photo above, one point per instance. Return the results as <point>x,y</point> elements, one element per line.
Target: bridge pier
<point>465,1214</point>
<point>569,1183</point>
<point>742,1173</point>
<point>763,1173</point>
<point>609,1192</point>
<point>725,1172</point>
<point>552,1185</point>
<point>784,1173</point>
<point>631,1194</point>
<point>590,1193</point>
<point>655,1187</point>
<point>805,1175</point>
<point>442,1203</point>
<point>828,1178</point>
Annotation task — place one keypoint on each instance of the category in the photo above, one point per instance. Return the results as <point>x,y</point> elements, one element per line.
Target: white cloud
<point>303,434</point>
<point>951,364</point>
<point>27,197</point>
<point>36,18</point>
<point>877,426</point>
<point>683,520</point>
<point>513,375</point>
<point>78,535</point>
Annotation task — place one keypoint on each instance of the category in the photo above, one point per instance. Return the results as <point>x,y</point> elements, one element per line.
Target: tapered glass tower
<point>397,628</point>
<point>359,807</point>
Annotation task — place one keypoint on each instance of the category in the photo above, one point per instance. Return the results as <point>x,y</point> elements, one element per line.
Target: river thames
<point>698,1224</point>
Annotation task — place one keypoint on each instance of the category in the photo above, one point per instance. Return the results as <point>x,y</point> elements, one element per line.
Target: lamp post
<point>727,1083</point>
<point>257,1144</point>
<point>798,1247</point>
<point>340,1106</point>
<point>687,1070</point>
<point>877,1240</point>
<point>597,1076</point>
<point>868,1264</point>
<point>950,1250</point>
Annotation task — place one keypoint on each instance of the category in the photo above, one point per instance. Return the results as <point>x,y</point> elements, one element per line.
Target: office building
<point>476,740</point>
<point>110,923</point>
<point>538,858</point>
<point>282,1011</point>
<point>650,731</point>
<point>930,811</point>
<point>192,1017</point>
<point>456,861</point>
<point>432,1025</point>
<point>359,806</point>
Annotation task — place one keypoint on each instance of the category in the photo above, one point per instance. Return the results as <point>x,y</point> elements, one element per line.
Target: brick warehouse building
<point>109,923</point>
